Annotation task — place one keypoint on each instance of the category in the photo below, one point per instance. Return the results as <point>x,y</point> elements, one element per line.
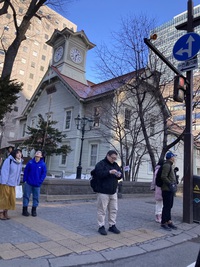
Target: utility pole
<point>188,26</point>
<point>188,136</point>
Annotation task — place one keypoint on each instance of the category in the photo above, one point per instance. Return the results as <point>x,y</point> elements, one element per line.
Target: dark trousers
<point>168,200</point>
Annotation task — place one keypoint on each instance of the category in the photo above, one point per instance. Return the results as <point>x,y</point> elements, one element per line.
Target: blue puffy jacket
<point>35,172</point>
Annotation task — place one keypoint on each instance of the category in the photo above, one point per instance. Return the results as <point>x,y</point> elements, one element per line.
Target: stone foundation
<point>66,189</point>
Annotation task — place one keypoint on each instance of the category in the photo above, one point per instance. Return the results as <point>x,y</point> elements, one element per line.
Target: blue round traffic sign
<point>187,46</point>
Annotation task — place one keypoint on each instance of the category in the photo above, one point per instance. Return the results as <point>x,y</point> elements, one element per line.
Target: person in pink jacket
<point>157,195</point>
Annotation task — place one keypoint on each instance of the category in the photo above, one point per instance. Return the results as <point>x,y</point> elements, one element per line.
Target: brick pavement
<point>65,233</point>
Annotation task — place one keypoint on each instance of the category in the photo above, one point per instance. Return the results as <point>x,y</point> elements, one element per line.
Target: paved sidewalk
<point>65,233</point>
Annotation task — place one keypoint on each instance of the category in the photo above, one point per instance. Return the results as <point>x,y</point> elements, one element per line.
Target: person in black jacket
<point>108,173</point>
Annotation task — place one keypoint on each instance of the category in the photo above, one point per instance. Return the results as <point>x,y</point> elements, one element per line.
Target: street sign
<point>187,46</point>
<point>188,65</point>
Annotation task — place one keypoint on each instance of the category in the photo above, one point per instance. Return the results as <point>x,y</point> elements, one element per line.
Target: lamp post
<point>81,124</point>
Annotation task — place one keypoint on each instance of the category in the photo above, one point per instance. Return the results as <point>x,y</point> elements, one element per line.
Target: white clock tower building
<point>69,53</point>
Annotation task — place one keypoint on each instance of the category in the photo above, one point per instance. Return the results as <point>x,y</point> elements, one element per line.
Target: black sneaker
<point>114,229</point>
<point>166,227</point>
<point>102,230</point>
<point>172,226</point>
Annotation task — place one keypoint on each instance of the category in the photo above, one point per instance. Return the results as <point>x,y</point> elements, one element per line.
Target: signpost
<point>191,49</point>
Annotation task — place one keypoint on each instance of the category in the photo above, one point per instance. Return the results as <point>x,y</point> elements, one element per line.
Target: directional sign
<point>187,46</point>
<point>190,64</point>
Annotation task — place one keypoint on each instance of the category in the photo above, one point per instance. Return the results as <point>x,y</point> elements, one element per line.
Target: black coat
<point>107,183</point>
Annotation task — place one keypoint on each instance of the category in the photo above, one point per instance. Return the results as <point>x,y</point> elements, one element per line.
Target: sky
<point>99,18</point>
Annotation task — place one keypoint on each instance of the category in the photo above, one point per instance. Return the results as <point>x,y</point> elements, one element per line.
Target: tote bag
<point>18,191</point>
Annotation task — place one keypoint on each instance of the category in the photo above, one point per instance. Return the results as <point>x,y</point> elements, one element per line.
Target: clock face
<point>58,53</point>
<point>76,55</point>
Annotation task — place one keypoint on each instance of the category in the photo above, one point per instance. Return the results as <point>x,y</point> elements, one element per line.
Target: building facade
<point>64,93</point>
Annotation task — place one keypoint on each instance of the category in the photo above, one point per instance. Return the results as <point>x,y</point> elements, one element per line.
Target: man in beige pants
<point>107,172</point>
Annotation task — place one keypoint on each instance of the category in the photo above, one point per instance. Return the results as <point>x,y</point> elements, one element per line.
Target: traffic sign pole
<point>188,136</point>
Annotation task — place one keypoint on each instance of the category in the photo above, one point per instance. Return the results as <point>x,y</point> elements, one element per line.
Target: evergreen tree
<point>46,138</point>
<point>9,90</point>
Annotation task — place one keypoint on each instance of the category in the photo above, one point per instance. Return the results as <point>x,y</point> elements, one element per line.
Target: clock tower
<point>69,53</point>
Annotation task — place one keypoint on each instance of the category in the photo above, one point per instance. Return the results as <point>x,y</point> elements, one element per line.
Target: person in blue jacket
<point>34,175</point>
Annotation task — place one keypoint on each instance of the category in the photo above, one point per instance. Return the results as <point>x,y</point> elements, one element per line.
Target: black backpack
<point>94,182</point>
<point>159,181</point>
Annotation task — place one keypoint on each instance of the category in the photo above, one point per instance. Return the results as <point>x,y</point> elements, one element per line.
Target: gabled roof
<point>67,32</point>
<point>92,90</point>
<point>80,91</point>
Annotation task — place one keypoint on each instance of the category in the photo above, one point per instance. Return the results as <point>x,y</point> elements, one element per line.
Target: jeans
<point>168,200</point>
<point>28,189</point>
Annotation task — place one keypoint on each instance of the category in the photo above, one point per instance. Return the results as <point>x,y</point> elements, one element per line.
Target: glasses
<point>113,157</point>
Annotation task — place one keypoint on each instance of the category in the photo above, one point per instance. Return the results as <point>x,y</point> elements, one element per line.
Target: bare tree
<point>21,24</point>
<point>130,54</point>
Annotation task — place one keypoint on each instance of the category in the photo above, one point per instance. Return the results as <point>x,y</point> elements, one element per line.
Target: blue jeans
<point>27,190</point>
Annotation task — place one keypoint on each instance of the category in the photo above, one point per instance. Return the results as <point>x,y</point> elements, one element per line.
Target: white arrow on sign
<point>180,52</point>
<point>188,65</point>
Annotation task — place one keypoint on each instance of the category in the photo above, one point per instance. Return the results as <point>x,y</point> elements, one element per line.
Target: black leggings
<point>168,200</point>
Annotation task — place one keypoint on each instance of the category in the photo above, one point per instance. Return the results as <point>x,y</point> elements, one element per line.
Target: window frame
<point>65,120</point>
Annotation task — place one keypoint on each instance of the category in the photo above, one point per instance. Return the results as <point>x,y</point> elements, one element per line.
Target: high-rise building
<point>33,57</point>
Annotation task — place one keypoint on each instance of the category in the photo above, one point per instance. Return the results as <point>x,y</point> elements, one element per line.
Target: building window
<point>2,52</point>
<point>152,126</point>
<point>25,49</point>
<point>6,28</point>
<point>127,118</point>
<point>63,160</point>
<point>15,108</point>
<point>30,87</point>
<point>20,10</point>
<point>33,122</point>
<point>43,57</point>
<point>42,68</point>
<point>68,116</point>
<point>8,16</point>
<point>21,72</point>
<point>33,64</point>
<point>150,169</point>
<point>35,53</point>
<point>31,75</point>
<point>46,36</point>
<point>93,154</point>
<point>23,129</point>
<point>24,60</point>
<point>96,116</point>
<point>36,43</point>
<point>44,46</point>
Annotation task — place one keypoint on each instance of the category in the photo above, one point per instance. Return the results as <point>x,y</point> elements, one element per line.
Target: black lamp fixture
<point>83,124</point>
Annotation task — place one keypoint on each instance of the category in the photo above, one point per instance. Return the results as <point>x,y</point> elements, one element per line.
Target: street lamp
<point>81,124</point>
